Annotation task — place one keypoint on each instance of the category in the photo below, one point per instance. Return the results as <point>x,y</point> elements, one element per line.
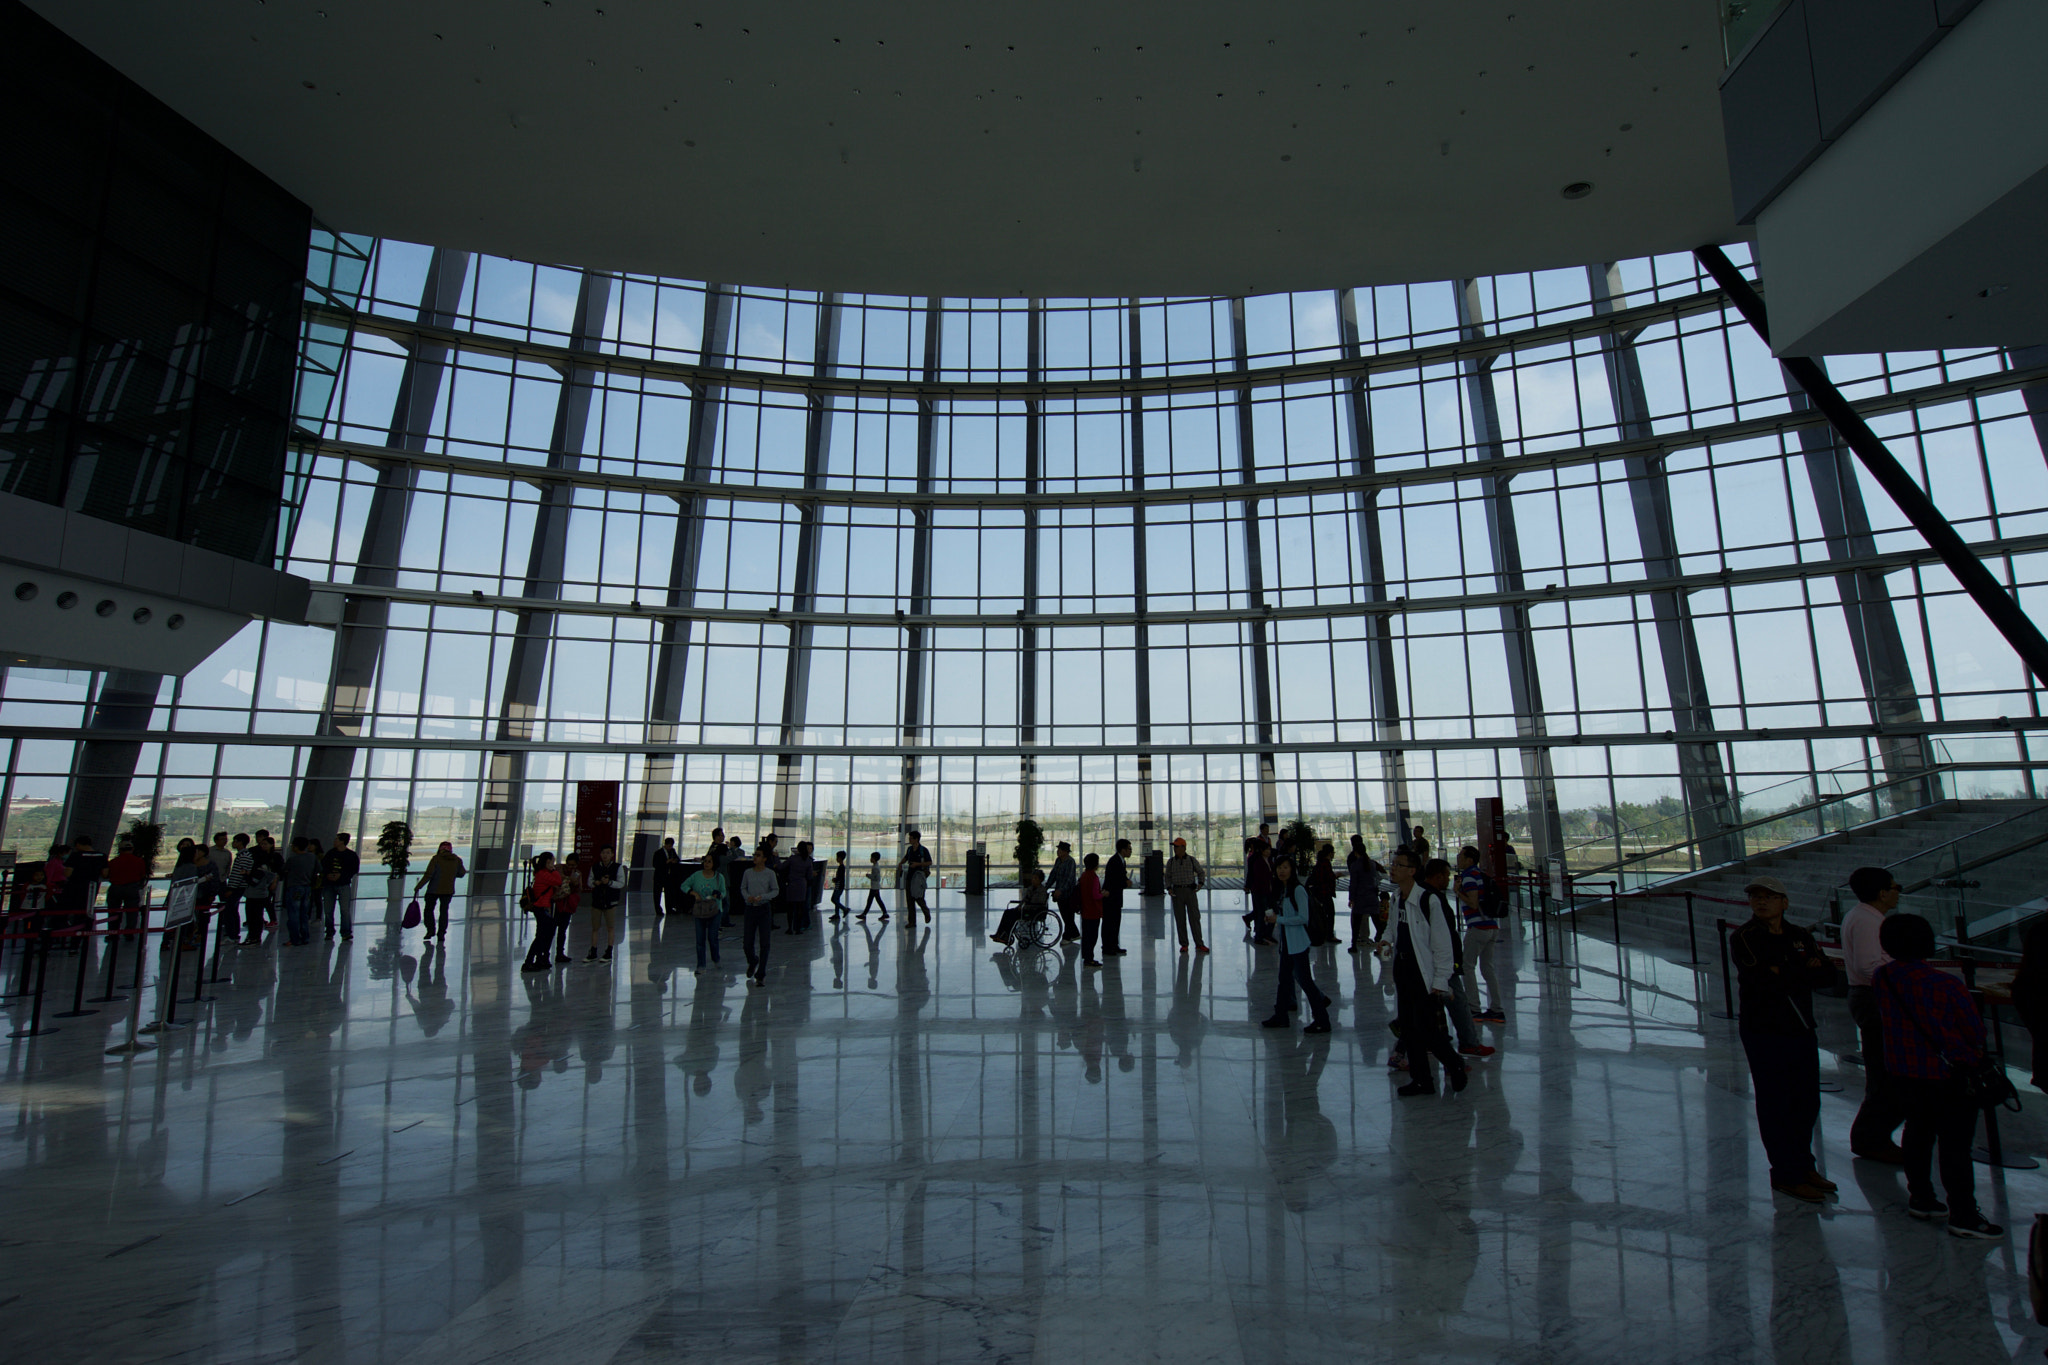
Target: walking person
<point>1184,882</point>
<point>1482,900</point>
<point>1258,889</point>
<point>1871,1136</point>
<point>1362,878</point>
<point>1777,966</point>
<point>607,876</point>
<point>1088,901</point>
<point>1423,960</point>
<point>916,870</point>
<point>874,889</point>
<point>301,871</point>
<point>1933,1038</point>
<point>438,881</point>
<point>704,893</point>
<point>758,889</point>
<point>1116,881</point>
<point>839,905</point>
<point>1059,885</point>
<point>338,869</point>
<point>1290,916</point>
<point>539,899</point>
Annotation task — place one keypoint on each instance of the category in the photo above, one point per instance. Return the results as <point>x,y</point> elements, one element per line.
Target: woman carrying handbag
<point>1934,1051</point>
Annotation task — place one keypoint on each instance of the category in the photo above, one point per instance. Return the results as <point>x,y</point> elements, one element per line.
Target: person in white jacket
<point>1424,956</point>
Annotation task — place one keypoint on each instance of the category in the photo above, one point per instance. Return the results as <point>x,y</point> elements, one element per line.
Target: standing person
<point>301,872</point>
<point>85,867</point>
<point>1322,898</point>
<point>1290,915</point>
<point>1184,882</point>
<point>1777,966</point>
<point>1877,895</point>
<point>704,894</point>
<point>916,868</point>
<point>1258,888</point>
<point>1363,883</point>
<point>737,861</point>
<point>438,881</point>
<point>220,855</point>
<point>1059,885</point>
<point>796,889</point>
<point>338,885</point>
<point>1419,843</point>
<point>567,902</point>
<point>1088,900</point>
<point>758,888</point>
<point>607,875</point>
<point>839,905</point>
<point>235,886</point>
<point>669,872</point>
<point>127,878</point>
<point>259,898</point>
<point>1436,875</point>
<point>2030,996</point>
<point>539,898</point>
<point>1481,898</point>
<point>1422,978</point>
<point>874,888</point>
<point>1933,1036</point>
<point>1116,881</point>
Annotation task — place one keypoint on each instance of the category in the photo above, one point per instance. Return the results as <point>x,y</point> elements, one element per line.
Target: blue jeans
<point>707,932</point>
<point>342,895</point>
<point>298,913</point>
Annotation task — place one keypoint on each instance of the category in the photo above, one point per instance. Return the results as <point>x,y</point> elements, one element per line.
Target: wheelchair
<point>1042,930</point>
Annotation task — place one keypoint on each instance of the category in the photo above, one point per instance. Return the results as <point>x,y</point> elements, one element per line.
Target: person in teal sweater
<point>704,892</point>
<point>1290,915</point>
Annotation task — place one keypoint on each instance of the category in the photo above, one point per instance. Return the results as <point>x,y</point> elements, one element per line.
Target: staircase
<point>1815,869</point>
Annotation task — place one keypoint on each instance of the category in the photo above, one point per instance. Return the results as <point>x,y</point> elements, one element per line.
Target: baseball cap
<point>1180,843</point>
<point>1771,884</point>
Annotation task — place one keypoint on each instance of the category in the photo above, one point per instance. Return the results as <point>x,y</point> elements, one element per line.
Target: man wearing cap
<point>1184,880</point>
<point>1777,966</point>
<point>1059,886</point>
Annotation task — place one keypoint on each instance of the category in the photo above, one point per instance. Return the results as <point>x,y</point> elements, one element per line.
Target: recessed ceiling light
<point>1578,189</point>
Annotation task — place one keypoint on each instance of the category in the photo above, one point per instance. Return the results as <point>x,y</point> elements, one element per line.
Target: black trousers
<point>1939,1118</point>
<point>1066,904</point>
<point>1881,1113</point>
<point>1090,928</point>
<point>1112,921</point>
<point>1784,1072</point>
<point>1422,1025</point>
<point>757,931</point>
<point>1294,969</point>
<point>436,903</point>
<point>540,950</point>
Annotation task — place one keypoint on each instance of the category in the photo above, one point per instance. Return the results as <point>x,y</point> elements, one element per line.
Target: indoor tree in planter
<point>394,847</point>
<point>1298,841</point>
<point>1030,839</point>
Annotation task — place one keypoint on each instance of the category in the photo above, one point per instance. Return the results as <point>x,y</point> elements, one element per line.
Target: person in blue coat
<point>1290,915</point>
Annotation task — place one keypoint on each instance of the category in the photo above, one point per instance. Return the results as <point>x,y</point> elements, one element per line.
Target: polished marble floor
<point>908,1146</point>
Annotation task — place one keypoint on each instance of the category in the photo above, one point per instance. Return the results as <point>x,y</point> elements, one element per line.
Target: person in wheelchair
<point>1031,907</point>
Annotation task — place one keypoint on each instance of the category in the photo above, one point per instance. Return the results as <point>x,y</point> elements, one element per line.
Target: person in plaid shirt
<point>1932,1035</point>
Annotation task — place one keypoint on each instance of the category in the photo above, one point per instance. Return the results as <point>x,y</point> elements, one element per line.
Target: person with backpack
<point>1425,955</point>
<point>538,900</point>
<point>607,875</point>
<point>438,881</point>
<point>1482,900</point>
<point>1777,968</point>
<point>703,892</point>
<point>1290,914</point>
<point>1933,1039</point>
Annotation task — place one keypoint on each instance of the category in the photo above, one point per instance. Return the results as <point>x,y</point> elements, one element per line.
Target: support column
<point>2035,395</point>
<point>1525,688</point>
<point>1685,680</point>
<point>1141,594</point>
<point>1255,578</point>
<point>533,630</point>
<point>672,653</point>
<point>359,639</point>
<point>106,767</point>
<point>1027,632</point>
<point>917,635</point>
<point>1382,675</point>
<point>796,684</point>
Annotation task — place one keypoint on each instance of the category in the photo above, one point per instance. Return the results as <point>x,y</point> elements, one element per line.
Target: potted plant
<point>1030,839</point>
<point>394,848</point>
<point>146,837</point>
<point>1298,841</point>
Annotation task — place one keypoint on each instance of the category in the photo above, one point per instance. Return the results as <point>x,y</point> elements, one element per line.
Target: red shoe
<point>1201,947</point>
<point>1481,1050</point>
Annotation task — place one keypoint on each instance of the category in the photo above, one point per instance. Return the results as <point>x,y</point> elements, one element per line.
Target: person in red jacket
<point>1088,893</point>
<point>540,897</point>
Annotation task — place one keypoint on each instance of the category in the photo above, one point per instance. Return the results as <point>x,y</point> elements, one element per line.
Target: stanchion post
<point>199,995</point>
<point>134,1043</point>
<point>35,1018</point>
<point>1692,935</point>
<point>1727,978</point>
<point>214,977</point>
<point>28,953</point>
<point>78,1009</point>
<point>113,961</point>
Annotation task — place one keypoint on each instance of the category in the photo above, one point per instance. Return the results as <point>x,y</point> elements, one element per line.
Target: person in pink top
<point>1871,1136</point>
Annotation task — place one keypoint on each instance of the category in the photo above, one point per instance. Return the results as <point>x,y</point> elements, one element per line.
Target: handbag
<point>412,916</point>
<point>1985,1083</point>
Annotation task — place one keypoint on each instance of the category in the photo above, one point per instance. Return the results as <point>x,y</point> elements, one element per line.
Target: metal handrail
<point>1971,866</point>
<point>1960,838</point>
<point>1918,775</point>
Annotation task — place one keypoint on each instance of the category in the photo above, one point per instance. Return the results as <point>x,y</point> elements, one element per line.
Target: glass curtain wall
<point>840,565</point>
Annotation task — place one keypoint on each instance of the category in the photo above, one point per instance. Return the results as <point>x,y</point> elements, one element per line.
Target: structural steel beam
<point>1255,579</point>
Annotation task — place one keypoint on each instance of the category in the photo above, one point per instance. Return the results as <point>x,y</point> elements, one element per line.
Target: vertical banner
<point>597,819</point>
<point>1492,837</point>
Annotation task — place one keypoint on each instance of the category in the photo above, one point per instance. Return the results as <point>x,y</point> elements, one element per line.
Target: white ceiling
<point>1051,149</point>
